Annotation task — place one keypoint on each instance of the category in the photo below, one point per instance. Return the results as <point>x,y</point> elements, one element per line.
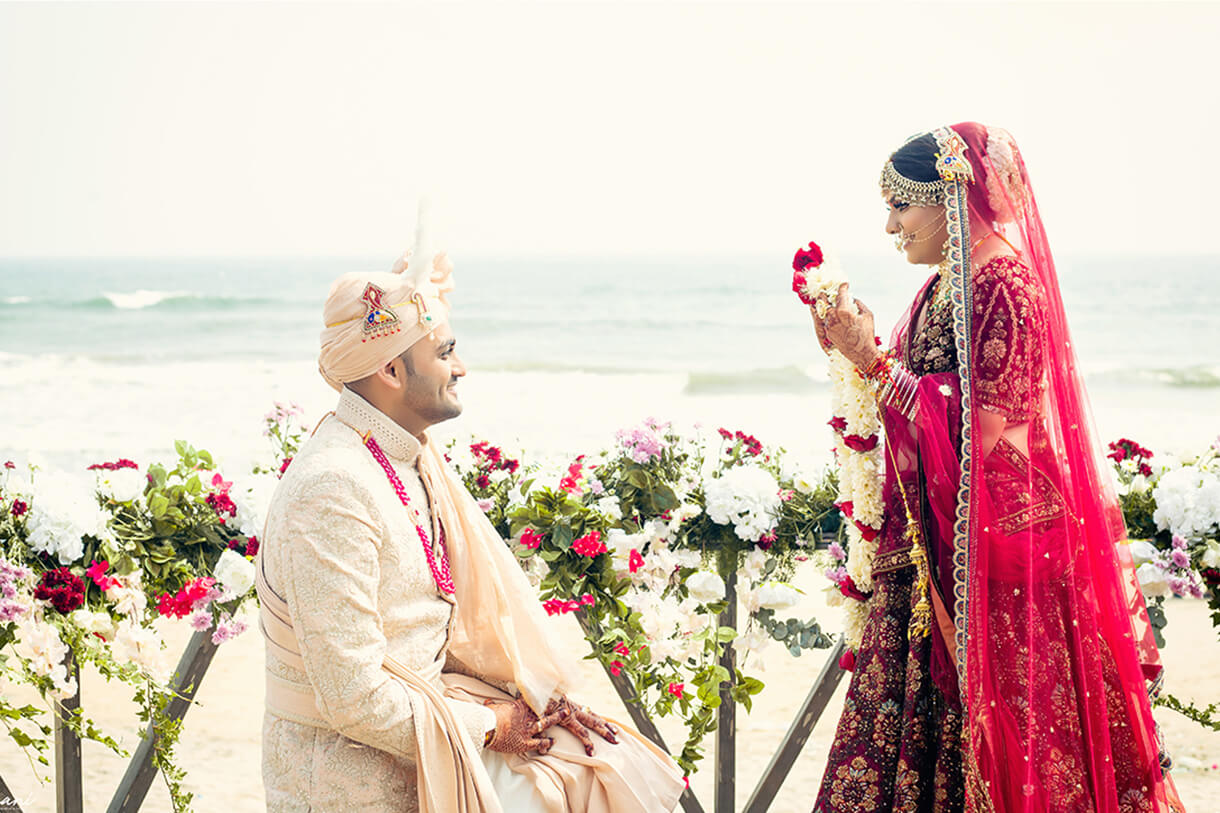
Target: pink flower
<point>676,689</point>
<point>590,544</point>
<point>588,600</point>
<point>97,572</point>
<point>1180,558</point>
<point>531,538</point>
<point>786,494</point>
<point>554,606</point>
<point>201,621</point>
<point>622,649</point>
<point>485,505</point>
<point>634,560</point>
<point>227,629</point>
<point>616,667</point>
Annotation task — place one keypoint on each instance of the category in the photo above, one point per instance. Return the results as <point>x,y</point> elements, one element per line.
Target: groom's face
<point>433,369</point>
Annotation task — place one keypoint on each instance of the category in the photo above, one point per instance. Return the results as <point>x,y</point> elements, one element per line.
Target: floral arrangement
<point>94,564</point>
<point>861,471</point>
<point>639,540</point>
<point>1172,511</point>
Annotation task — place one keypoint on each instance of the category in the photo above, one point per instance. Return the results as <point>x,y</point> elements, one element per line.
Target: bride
<point>1007,668</point>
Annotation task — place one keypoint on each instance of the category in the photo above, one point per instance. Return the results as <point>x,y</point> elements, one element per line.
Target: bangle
<point>878,370</point>
<point>488,737</point>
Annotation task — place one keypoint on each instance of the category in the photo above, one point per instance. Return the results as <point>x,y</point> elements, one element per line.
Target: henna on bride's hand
<point>852,333</point>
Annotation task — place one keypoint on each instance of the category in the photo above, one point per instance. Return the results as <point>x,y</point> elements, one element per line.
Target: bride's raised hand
<point>852,334</point>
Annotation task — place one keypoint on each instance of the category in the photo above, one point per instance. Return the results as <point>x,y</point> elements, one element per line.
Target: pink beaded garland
<point>440,574</point>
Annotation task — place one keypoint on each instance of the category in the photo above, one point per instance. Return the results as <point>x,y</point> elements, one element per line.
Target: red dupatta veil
<point>1046,634</point>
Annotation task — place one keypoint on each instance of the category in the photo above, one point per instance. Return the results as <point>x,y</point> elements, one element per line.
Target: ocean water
<point>118,357</point>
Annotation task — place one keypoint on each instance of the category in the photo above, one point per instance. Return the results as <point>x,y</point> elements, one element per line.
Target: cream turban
<point>371,317</point>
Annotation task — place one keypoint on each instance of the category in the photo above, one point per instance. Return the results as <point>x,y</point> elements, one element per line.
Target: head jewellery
<point>951,165</point>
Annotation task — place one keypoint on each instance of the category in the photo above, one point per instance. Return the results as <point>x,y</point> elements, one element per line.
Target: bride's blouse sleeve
<point>1008,331</point>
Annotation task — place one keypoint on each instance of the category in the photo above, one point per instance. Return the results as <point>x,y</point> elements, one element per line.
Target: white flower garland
<point>861,473</point>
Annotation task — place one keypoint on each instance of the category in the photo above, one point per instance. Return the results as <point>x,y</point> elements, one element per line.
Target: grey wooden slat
<point>643,723</point>
<point>726,716</point>
<point>196,659</point>
<point>68,785</point>
<point>798,733</point>
<point>8,800</point>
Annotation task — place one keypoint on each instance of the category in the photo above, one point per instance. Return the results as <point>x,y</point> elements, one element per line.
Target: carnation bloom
<point>63,589</point>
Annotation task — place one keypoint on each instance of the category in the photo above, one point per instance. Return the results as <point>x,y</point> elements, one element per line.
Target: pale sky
<point>585,128</point>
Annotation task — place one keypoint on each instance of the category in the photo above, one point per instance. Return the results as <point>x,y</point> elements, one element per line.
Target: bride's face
<point>922,231</point>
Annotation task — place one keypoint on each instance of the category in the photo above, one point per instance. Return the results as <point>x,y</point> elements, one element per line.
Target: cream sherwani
<point>342,550</point>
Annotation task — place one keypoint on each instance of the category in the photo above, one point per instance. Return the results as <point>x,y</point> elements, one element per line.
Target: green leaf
<point>158,505</point>
<point>725,634</point>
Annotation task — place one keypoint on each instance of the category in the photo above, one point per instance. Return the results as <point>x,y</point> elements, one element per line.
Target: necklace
<point>440,571</point>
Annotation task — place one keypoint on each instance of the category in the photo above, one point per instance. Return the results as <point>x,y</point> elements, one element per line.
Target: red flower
<point>553,606</point>
<point>846,507</point>
<point>767,540</point>
<point>634,560</point>
<point>616,667</point>
<point>676,689</point>
<point>97,572</point>
<point>222,504</point>
<point>848,588</point>
<point>8,464</point>
<point>590,544</point>
<point>588,599</point>
<point>483,481</point>
<point>868,533</point>
<point>807,257</point>
<point>724,433</point>
<point>622,649</point>
<point>252,546</point>
<point>860,444</point>
<point>121,463</point>
<point>183,604</point>
<point>848,661</point>
<point>531,538</point>
<point>19,508</point>
<point>284,465</point>
<point>62,588</point>
<point>838,424</point>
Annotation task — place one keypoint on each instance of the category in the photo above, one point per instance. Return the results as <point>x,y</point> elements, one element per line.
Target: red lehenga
<point>1029,692</point>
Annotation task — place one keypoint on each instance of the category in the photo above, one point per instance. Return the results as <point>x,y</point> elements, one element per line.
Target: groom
<point>408,667</point>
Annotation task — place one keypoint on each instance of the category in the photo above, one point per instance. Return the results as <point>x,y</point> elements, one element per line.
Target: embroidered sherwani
<point>343,551</point>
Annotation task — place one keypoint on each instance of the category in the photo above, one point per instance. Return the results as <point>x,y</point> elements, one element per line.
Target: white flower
<point>1187,501</point>
<point>609,506</point>
<point>746,497</point>
<point>41,645</point>
<point>705,586</point>
<point>1141,551</point>
<point>65,510</point>
<point>1152,579</point>
<point>128,595</point>
<point>122,485</point>
<point>499,475</point>
<point>252,495</point>
<point>755,562</point>
<point>778,596</point>
<point>93,622</point>
<point>1211,555</point>
<point>142,646</point>
<point>235,572</point>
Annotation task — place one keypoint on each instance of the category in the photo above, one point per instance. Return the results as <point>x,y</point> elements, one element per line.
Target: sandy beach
<point>221,742</point>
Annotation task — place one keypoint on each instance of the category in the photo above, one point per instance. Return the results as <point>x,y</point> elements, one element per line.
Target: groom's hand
<point>578,720</point>
<point>516,729</point>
